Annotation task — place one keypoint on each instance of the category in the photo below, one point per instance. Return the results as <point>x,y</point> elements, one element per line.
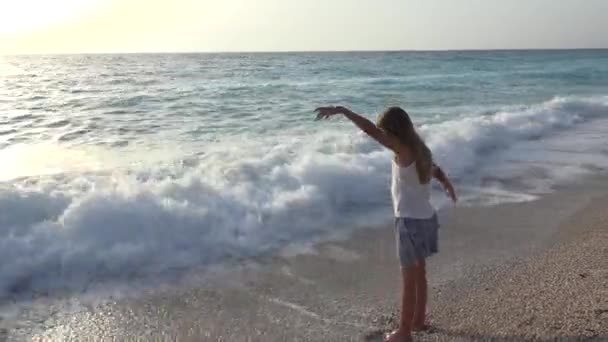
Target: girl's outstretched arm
<point>364,124</point>
<point>445,182</point>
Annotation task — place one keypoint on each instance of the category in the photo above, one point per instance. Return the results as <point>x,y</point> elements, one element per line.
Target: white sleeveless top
<point>410,198</point>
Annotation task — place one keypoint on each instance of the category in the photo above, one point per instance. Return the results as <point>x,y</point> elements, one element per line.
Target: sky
<point>113,26</point>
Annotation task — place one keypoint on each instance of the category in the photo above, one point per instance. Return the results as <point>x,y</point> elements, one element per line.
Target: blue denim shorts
<point>416,238</point>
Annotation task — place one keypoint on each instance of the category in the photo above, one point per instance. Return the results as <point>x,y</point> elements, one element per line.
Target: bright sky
<point>71,26</point>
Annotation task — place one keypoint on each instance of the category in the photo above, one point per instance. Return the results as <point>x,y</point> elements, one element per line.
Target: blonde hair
<point>397,122</point>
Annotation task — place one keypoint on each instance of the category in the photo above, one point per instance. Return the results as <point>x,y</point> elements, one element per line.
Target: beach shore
<point>525,271</point>
<point>559,294</point>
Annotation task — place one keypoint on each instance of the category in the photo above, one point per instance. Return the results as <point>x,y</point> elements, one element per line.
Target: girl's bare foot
<point>398,335</point>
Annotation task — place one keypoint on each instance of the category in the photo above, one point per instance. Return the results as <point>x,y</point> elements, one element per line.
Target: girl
<point>415,219</point>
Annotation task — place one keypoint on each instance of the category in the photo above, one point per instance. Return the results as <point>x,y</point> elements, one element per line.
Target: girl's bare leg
<point>408,299</point>
<point>418,323</point>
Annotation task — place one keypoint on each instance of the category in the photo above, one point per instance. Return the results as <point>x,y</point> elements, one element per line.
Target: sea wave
<point>233,201</point>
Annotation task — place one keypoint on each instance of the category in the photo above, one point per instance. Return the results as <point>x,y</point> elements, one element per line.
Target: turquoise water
<point>123,166</point>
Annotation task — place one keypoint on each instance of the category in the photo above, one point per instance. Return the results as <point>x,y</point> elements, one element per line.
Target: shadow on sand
<point>440,334</point>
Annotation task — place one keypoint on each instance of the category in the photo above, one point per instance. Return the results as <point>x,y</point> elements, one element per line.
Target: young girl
<point>415,219</point>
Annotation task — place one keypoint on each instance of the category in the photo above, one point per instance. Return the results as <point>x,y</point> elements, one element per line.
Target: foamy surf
<point>75,226</point>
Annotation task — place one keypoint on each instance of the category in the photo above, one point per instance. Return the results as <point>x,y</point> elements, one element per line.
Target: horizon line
<point>301,51</point>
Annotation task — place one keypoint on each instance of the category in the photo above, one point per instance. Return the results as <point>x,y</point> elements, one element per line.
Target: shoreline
<point>348,290</point>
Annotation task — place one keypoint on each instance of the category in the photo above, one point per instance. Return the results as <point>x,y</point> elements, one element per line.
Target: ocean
<point>124,168</point>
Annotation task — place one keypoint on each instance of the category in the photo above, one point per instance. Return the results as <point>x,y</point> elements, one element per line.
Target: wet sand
<point>522,271</point>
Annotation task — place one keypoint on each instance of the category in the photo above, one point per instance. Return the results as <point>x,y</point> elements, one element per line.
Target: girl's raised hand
<point>326,112</point>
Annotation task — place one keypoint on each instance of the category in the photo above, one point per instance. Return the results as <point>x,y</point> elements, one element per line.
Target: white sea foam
<point>463,143</point>
<point>234,201</point>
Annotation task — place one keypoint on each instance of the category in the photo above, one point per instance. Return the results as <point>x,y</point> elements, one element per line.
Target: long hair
<point>397,122</point>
